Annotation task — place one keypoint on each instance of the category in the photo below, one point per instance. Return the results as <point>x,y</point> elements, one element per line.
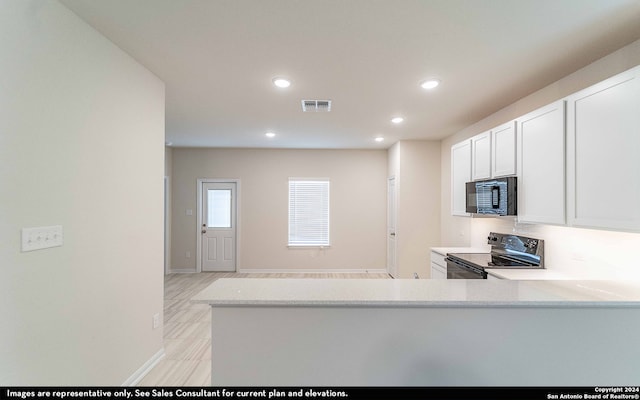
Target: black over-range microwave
<point>492,196</point>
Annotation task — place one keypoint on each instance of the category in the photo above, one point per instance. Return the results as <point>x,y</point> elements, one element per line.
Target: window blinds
<point>308,212</point>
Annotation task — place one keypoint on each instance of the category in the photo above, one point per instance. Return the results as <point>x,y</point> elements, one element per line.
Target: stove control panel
<point>517,249</point>
<point>516,243</point>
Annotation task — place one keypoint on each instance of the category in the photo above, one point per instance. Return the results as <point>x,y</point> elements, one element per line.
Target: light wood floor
<point>187,327</point>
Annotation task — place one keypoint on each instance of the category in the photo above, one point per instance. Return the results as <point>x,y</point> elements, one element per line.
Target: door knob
<point>204,231</point>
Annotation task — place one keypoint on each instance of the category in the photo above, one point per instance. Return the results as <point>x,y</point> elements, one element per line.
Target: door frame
<point>167,224</point>
<point>392,210</point>
<point>201,182</point>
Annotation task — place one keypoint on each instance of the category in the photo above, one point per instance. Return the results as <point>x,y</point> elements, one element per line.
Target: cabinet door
<point>503,141</point>
<point>438,272</point>
<point>603,154</point>
<point>438,259</point>
<point>481,156</point>
<point>541,172</point>
<point>460,174</point>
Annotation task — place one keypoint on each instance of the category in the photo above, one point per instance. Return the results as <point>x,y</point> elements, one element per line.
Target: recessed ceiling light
<point>379,139</point>
<point>281,82</point>
<point>397,120</point>
<point>429,83</point>
<point>270,134</point>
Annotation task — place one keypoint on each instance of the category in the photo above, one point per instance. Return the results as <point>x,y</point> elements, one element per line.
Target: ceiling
<point>218,58</point>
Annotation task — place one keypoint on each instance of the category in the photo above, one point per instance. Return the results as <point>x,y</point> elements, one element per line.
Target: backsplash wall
<point>594,254</point>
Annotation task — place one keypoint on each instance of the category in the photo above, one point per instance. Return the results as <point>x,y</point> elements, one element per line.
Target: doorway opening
<point>392,213</point>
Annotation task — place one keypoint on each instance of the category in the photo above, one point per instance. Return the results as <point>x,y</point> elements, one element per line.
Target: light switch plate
<point>156,321</point>
<point>41,237</point>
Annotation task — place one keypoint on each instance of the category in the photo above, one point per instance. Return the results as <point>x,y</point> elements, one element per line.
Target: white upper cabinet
<point>460,174</point>
<point>587,175</point>
<point>503,150</point>
<point>493,153</point>
<point>541,172</point>
<point>481,156</point>
<point>488,155</point>
<point>603,154</point>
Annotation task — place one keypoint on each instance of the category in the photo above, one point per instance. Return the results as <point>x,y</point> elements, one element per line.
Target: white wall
<point>588,253</point>
<point>428,346</point>
<point>357,203</point>
<point>416,167</point>
<point>168,166</point>
<point>594,251</point>
<point>81,145</point>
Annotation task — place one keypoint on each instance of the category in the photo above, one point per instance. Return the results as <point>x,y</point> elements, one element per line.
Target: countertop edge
<point>412,293</point>
<point>443,250</point>
<point>422,304</point>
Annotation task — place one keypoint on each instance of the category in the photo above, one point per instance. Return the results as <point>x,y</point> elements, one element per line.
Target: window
<point>219,208</point>
<point>308,212</point>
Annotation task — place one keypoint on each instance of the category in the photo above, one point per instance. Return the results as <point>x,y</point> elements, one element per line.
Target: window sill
<point>308,246</point>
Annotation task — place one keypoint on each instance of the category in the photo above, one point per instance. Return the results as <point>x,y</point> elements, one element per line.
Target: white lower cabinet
<point>438,266</point>
<point>603,150</point>
<point>438,272</point>
<point>541,172</point>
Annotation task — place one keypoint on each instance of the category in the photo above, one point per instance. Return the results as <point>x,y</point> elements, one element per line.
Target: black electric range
<point>507,251</point>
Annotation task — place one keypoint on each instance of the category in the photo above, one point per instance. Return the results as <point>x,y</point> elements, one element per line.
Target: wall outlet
<point>156,321</point>
<point>187,254</point>
<point>41,237</point>
<point>189,212</point>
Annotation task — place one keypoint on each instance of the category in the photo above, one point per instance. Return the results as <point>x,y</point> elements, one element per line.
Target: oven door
<point>458,270</point>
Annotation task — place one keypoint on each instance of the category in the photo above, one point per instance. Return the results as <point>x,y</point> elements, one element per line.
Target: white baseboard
<point>144,369</point>
<point>311,271</point>
<point>182,271</point>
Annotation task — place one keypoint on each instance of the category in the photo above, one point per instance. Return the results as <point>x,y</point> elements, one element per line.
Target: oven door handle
<point>465,266</point>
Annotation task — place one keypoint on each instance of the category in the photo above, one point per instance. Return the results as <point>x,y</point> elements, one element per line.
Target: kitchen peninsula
<point>361,332</point>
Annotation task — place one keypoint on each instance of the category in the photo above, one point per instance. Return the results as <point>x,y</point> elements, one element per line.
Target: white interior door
<point>218,226</point>
<point>391,228</point>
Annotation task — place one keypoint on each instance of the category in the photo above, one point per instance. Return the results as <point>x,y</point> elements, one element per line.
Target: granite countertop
<point>530,274</point>
<point>418,293</point>
<point>444,250</point>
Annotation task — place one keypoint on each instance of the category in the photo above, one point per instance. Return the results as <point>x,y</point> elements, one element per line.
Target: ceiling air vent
<point>316,105</point>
